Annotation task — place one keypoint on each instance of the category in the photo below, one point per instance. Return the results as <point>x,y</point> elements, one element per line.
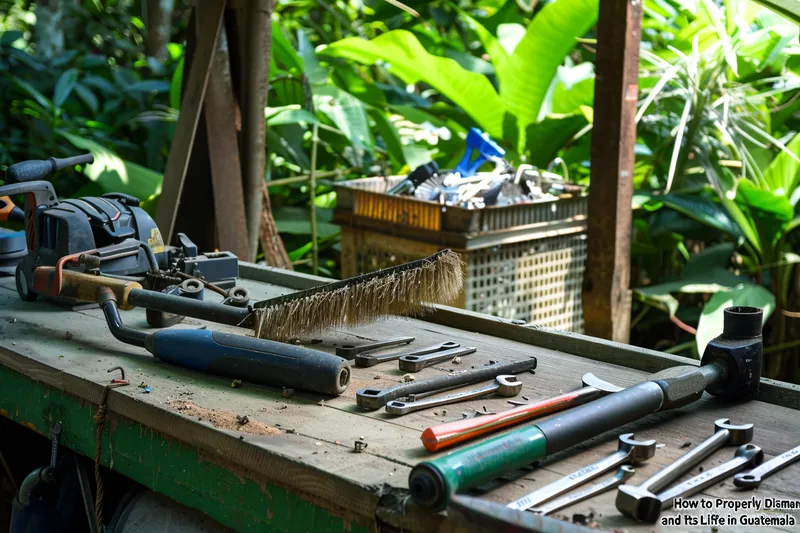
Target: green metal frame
<point>232,498</point>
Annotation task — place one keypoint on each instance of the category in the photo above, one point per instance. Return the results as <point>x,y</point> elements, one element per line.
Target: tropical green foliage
<point>717,171</point>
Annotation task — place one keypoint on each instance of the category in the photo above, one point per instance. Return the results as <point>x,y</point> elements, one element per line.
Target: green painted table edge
<point>233,498</point>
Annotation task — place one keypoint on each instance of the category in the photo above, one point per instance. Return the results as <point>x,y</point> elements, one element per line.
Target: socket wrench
<point>415,363</point>
<point>753,478</point>
<point>504,385</point>
<point>747,456</point>
<point>623,474</point>
<point>369,359</point>
<point>641,502</point>
<point>628,451</point>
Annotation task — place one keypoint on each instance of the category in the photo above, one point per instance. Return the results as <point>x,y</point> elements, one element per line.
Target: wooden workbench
<point>293,466</point>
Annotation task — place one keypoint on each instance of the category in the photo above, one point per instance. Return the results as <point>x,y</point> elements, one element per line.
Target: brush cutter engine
<point>109,235</point>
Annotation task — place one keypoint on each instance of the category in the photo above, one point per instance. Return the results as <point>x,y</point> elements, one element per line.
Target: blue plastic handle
<point>247,358</point>
<point>478,141</point>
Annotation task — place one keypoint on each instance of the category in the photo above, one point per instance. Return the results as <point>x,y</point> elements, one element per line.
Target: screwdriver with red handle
<point>437,438</point>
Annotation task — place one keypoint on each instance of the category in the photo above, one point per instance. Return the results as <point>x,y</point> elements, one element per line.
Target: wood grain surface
<point>314,453</point>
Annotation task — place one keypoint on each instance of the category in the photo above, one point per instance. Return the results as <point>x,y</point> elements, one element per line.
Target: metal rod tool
<point>642,503</point>
<point>623,474</point>
<point>436,438</point>
<point>415,363</point>
<point>349,351</point>
<point>504,385</point>
<point>747,456</point>
<point>366,360</point>
<point>753,478</point>
<point>628,451</point>
<point>377,398</point>
<point>730,368</point>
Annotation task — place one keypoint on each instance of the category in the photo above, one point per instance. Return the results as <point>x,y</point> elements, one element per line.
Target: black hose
<point>199,309</point>
<point>117,328</point>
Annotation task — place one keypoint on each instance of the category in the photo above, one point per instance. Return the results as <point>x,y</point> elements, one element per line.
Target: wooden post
<point>209,21</point>
<point>607,295</point>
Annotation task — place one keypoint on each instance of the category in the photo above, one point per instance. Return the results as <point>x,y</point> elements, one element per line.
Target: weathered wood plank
<point>209,21</point>
<point>607,295</point>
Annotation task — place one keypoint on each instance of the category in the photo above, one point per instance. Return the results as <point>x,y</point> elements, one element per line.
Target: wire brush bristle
<point>395,291</point>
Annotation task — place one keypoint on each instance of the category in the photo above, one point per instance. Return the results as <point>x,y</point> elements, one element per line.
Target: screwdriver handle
<point>442,436</point>
<point>247,358</point>
<point>36,169</point>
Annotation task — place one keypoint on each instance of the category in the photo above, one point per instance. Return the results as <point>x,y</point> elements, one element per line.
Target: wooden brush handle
<point>82,287</point>
<point>437,438</point>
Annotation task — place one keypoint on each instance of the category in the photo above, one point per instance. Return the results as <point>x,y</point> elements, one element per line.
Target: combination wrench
<point>415,363</point>
<point>753,478</point>
<point>747,456</point>
<point>349,351</point>
<point>370,359</point>
<point>628,451</point>
<point>623,474</point>
<point>504,385</point>
<point>641,502</point>
<point>376,398</point>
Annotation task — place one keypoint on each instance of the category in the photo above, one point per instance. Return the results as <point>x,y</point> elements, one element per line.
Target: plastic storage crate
<point>522,262</point>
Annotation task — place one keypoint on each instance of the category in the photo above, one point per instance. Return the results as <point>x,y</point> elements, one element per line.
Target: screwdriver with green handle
<point>731,368</point>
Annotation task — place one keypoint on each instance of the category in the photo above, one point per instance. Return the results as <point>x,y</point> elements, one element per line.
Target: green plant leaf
<point>774,203</point>
<point>783,174</point>
<point>390,138</point>
<point>290,114</point>
<point>149,86</point>
<point>100,84</point>
<point>36,95</point>
<point>509,36</point>
<point>283,50</point>
<point>64,86</point>
<point>87,96</point>
<point>114,174</point>
<point>550,36</point>
<point>711,320</point>
<point>702,210</point>
<point>544,139</point>
<point>574,89</point>
<point>497,54</point>
<point>404,56</point>
<point>175,87</point>
<point>347,112</point>
<point>708,281</point>
<point>297,221</point>
<point>788,8</point>
<point>713,257</point>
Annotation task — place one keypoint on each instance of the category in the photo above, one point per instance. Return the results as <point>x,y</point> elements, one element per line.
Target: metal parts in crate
<point>522,262</point>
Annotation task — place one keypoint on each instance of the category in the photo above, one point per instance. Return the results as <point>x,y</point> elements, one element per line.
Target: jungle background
<point>392,85</point>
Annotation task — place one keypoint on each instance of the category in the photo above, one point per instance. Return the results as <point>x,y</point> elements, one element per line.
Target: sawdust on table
<point>224,419</point>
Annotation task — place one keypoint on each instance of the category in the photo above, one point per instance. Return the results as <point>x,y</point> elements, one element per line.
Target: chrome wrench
<point>349,351</point>
<point>365,360</point>
<point>415,363</point>
<point>628,451</point>
<point>504,385</point>
<point>753,478</point>
<point>623,474</point>
<point>747,456</point>
<point>641,501</point>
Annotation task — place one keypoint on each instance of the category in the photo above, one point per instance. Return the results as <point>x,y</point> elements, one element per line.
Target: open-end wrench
<point>628,451</point>
<point>642,503</point>
<point>623,474</point>
<point>442,436</point>
<point>370,359</point>
<point>415,363</point>
<point>747,456</point>
<point>504,385</point>
<point>753,478</point>
<point>349,351</point>
<point>377,398</point>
